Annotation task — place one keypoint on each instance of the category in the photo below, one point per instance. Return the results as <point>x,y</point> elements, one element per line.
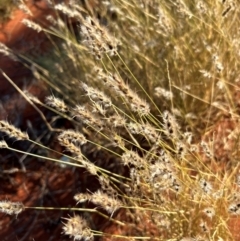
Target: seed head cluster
<point>104,201</point>
<point>77,228</point>
<point>116,83</point>
<point>97,38</point>
<point>97,96</point>
<point>83,114</point>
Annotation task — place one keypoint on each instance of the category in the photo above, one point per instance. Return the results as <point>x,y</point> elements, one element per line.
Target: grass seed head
<point>69,146</point>
<point>97,96</point>
<point>7,52</point>
<point>83,114</point>
<point>77,228</point>
<point>12,131</point>
<point>73,136</point>
<point>97,38</point>
<point>82,197</point>
<point>56,103</point>
<point>11,208</point>
<point>32,25</point>
<point>106,202</point>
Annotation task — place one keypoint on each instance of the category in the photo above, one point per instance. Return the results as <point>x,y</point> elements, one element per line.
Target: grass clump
<point>6,7</point>
<point>151,77</point>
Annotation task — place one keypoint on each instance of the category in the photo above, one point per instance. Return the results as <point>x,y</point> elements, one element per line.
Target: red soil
<point>21,39</point>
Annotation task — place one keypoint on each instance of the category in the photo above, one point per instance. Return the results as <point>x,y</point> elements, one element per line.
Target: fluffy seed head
<point>97,38</point>
<point>97,108</point>
<point>31,24</point>
<point>117,140</point>
<point>205,186</point>
<point>11,208</point>
<point>75,137</point>
<point>116,83</point>
<point>170,125</point>
<point>135,128</point>
<point>12,131</point>
<point>66,10</point>
<point>234,208</point>
<point>82,197</point>
<point>70,146</point>
<point>56,103</point>
<point>90,167</point>
<point>131,157</point>
<point>106,186</point>
<point>145,129</point>
<point>105,201</point>
<point>97,96</point>
<point>210,212</point>
<point>160,92</point>
<point>77,228</point>
<point>203,225</point>
<point>25,9</point>
<point>7,52</point>
<point>181,149</point>
<point>116,121</point>
<point>84,115</point>
<point>137,104</point>
<point>206,149</point>
<point>149,132</point>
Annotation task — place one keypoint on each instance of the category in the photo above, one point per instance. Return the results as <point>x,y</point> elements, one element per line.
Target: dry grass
<point>6,7</point>
<point>152,77</point>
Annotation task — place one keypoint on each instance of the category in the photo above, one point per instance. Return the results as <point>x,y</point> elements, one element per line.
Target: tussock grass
<point>6,7</point>
<point>151,77</point>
